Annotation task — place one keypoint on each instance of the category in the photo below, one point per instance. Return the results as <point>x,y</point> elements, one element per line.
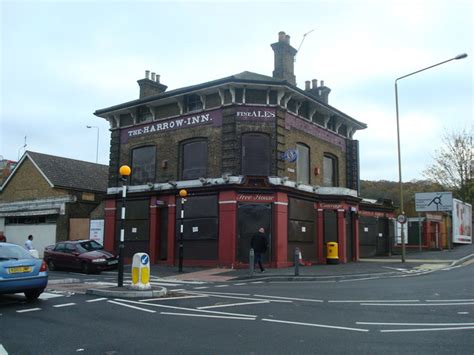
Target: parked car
<point>85,255</point>
<point>21,272</point>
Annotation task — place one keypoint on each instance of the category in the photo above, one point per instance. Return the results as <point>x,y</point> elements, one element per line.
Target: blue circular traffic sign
<point>144,259</point>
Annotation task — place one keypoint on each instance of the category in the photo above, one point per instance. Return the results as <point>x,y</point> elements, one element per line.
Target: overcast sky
<point>62,60</point>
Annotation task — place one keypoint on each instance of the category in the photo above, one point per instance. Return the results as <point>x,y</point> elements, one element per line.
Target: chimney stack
<point>320,92</point>
<point>150,87</point>
<point>307,84</point>
<point>284,59</point>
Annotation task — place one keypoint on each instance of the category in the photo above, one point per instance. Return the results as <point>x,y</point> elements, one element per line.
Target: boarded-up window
<point>194,159</point>
<point>143,165</point>
<point>255,154</point>
<point>78,228</point>
<point>302,164</point>
<point>330,170</point>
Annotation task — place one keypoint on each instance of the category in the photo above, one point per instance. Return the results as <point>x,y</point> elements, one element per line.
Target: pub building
<point>251,150</point>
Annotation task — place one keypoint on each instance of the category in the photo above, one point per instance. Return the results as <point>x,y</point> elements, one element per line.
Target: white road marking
<point>2,350</point>
<point>47,295</point>
<point>188,309</point>
<point>64,305</point>
<point>172,298</point>
<point>290,298</point>
<point>464,300</point>
<point>28,310</point>
<point>200,288</point>
<point>163,284</point>
<point>233,304</point>
<point>134,307</point>
<point>420,324</point>
<point>177,290</point>
<point>423,329</point>
<point>463,312</point>
<point>97,299</point>
<point>237,297</point>
<point>365,301</point>
<point>365,278</point>
<point>221,293</point>
<point>222,286</point>
<point>241,284</point>
<point>417,304</point>
<point>205,316</point>
<point>257,282</point>
<point>315,325</point>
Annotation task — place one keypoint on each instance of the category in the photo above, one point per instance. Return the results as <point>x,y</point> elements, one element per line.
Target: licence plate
<point>19,269</point>
<point>112,262</point>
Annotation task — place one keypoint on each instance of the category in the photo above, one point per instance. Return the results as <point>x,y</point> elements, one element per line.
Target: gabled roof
<point>67,173</point>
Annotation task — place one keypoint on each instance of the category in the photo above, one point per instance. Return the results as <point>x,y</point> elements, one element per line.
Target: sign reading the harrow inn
<point>183,122</point>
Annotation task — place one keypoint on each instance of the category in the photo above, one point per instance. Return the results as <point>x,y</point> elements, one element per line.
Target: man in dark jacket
<point>259,245</point>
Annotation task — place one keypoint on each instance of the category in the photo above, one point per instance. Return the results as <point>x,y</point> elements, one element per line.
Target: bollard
<point>251,262</point>
<point>141,272</point>
<point>297,261</point>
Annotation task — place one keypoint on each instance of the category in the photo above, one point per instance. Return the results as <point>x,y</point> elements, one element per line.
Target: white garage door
<point>43,235</point>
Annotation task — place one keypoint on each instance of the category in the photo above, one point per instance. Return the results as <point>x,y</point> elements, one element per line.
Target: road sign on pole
<point>433,201</point>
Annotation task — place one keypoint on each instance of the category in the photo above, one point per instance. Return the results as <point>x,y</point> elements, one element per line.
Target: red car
<point>85,255</point>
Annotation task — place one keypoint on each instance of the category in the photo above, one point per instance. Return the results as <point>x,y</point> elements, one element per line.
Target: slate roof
<point>70,173</point>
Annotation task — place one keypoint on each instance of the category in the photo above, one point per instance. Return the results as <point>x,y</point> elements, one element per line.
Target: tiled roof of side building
<point>71,173</point>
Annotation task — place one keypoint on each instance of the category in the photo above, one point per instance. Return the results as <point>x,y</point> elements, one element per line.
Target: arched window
<point>302,164</point>
<point>143,165</point>
<point>255,154</point>
<point>193,159</point>
<point>330,170</point>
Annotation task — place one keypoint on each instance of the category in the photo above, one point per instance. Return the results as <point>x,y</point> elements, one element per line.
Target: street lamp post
<point>125,172</point>
<point>402,211</point>
<point>182,193</point>
<point>97,145</point>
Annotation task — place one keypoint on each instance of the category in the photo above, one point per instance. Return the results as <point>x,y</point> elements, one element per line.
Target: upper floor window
<point>193,159</point>
<point>143,165</point>
<point>193,103</point>
<point>255,154</point>
<point>330,170</point>
<point>302,164</point>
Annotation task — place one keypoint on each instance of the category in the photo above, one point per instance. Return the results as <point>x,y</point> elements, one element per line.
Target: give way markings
<point>206,312</point>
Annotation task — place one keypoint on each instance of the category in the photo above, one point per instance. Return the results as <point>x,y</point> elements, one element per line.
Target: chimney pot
<point>147,74</point>
<point>315,83</point>
<point>322,82</point>
<point>287,39</point>
<point>157,78</point>
<point>307,85</point>
<point>153,76</point>
<point>281,36</point>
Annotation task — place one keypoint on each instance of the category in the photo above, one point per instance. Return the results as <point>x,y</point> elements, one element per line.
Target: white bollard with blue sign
<point>141,272</point>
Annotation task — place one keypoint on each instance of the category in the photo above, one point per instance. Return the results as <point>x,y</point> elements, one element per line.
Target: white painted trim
<point>281,203</point>
<point>226,202</point>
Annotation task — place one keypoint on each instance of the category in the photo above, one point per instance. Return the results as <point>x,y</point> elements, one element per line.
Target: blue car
<point>21,272</point>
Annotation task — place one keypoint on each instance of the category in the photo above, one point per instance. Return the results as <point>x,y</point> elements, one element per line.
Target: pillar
<point>110,240</point>
<point>320,235</point>
<point>280,230</point>
<point>227,228</point>
<point>341,236</point>
<point>171,202</point>
<point>153,230</point>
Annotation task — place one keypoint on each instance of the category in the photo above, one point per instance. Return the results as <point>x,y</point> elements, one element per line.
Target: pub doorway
<point>250,218</point>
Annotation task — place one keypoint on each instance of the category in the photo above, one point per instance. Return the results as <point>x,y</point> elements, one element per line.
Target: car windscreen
<point>9,252</point>
<point>91,245</point>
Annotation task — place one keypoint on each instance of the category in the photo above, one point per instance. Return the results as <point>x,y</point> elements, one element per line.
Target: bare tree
<point>452,166</point>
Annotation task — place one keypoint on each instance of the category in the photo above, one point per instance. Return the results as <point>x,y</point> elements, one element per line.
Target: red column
<point>227,228</point>
<point>355,228</point>
<point>341,236</point>
<point>110,225</point>
<point>153,229</point>
<point>171,202</point>
<point>320,235</point>
<point>280,230</point>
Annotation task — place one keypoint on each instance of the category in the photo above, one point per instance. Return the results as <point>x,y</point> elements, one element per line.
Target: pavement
<point>416,262</point>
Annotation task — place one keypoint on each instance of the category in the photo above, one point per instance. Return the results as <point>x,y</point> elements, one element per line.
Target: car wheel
<point>33,294</point>
<point>51,265</point>
<point>86,268</point>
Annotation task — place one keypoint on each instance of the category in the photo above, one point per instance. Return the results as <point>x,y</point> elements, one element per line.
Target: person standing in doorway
<point>29,243</point>
<point>259,244</point>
